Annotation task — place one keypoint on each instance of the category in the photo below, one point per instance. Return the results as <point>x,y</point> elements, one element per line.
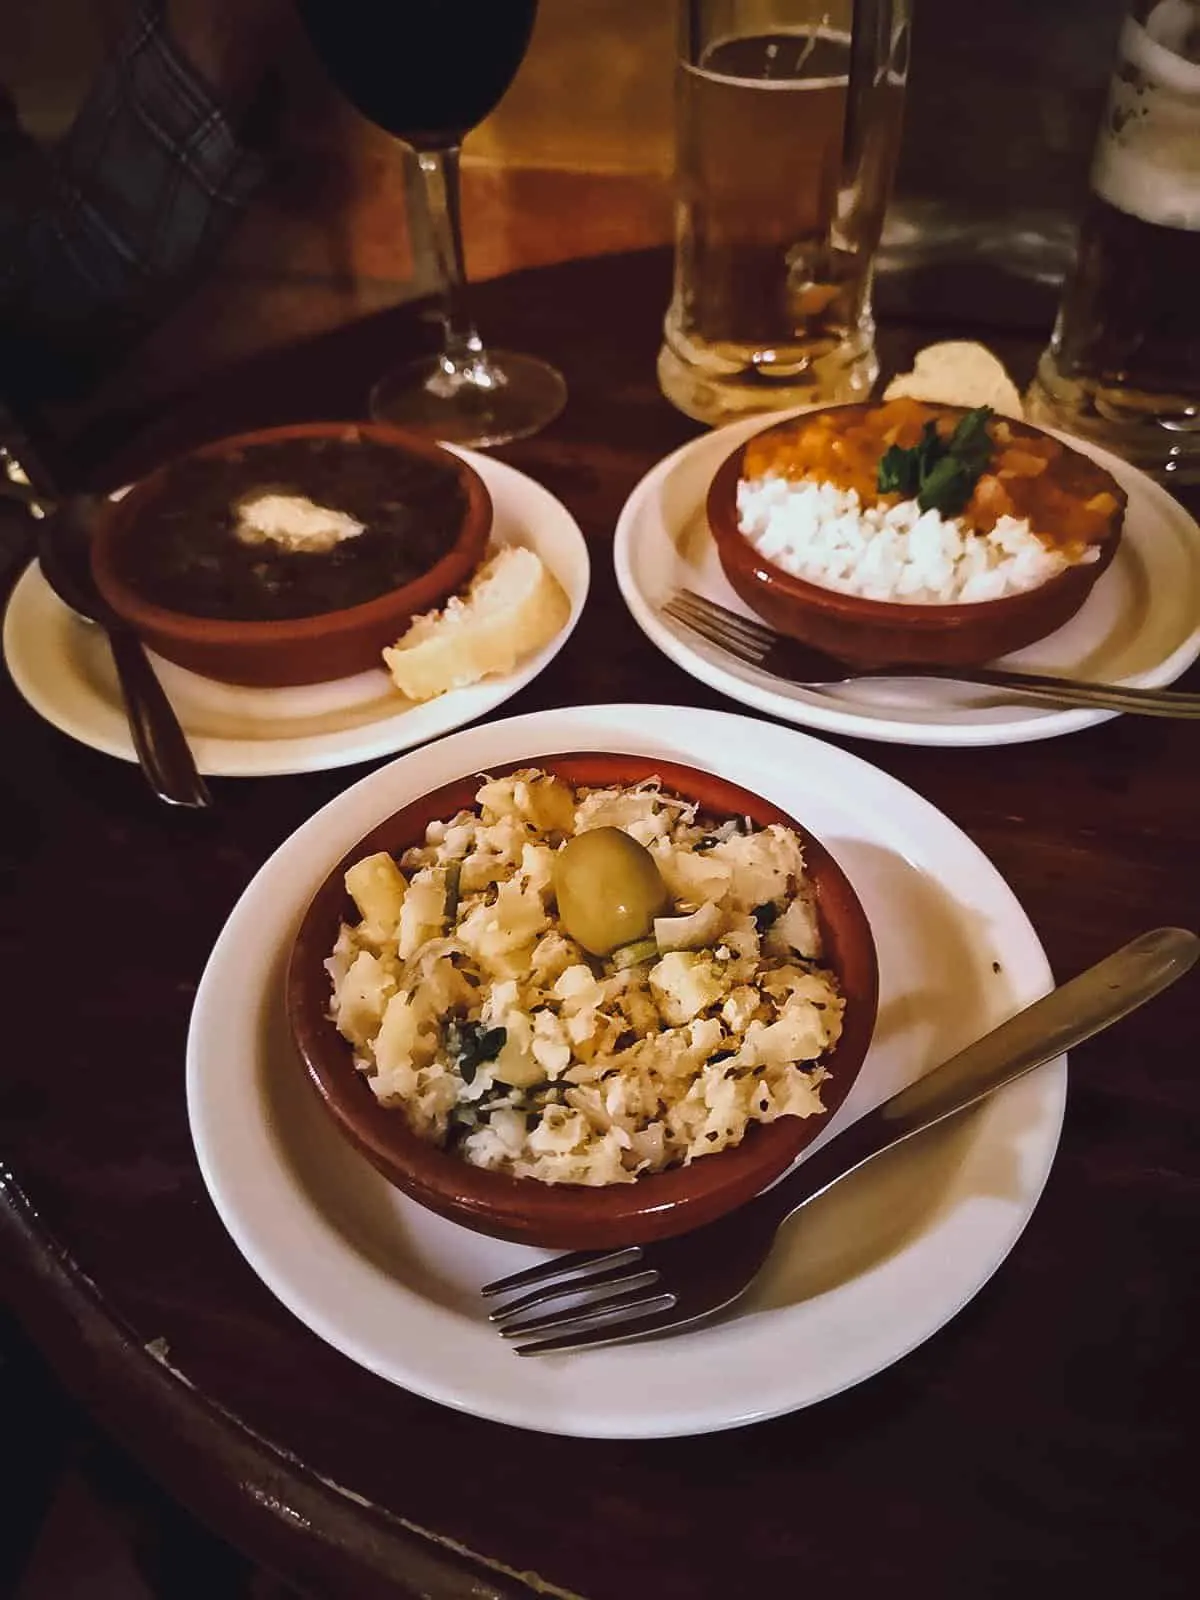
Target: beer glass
<point>1123,364</point>
<point>787,126</point>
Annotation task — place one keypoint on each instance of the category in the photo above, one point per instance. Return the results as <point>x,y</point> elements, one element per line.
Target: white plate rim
<point>400,730</point>
<point>537,733</point>
<point>841,717</point>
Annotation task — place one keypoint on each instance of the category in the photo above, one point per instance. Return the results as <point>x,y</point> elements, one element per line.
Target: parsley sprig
<point>470,1044</point>
<point>940,474</point>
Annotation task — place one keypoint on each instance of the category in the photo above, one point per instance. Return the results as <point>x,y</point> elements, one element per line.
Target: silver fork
<point>760,646</point>
<point>655,1288</point>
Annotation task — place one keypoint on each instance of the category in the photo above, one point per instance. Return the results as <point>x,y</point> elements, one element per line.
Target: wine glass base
<point>525,396</point>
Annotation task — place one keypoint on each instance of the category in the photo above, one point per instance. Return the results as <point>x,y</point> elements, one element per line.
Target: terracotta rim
<point>655,1206</point>
<point>721,508</point>
<point>420,594</point>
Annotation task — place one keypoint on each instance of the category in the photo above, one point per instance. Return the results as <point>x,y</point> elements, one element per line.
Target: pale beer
<point>776,231</point>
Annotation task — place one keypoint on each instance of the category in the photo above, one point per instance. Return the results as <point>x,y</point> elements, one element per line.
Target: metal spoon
<point>63,547</point>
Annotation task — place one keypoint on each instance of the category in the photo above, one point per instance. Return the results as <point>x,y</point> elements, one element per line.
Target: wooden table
<point>1039,1440</point>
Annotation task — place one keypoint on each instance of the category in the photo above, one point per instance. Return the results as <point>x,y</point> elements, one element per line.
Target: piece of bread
<point>513,606</point>
<point>956,373</point>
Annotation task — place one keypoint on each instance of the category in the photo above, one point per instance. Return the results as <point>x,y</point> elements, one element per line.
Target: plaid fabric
<point>143,187</point>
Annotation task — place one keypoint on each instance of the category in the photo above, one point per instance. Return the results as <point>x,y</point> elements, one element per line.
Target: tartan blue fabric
<point>141,189</point>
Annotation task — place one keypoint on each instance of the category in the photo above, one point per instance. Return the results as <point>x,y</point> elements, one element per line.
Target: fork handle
<point>1063,1019</point>
<point>1064,692</point>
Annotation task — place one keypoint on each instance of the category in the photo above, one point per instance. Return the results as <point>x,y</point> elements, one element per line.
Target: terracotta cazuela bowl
<point>561,1216</point>
<point>302,649</point>
<point>881,632</point>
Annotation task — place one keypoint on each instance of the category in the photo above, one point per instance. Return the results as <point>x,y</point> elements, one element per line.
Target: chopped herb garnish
<point>947,486</point>
<point>765,915</point>
<point>453,877</point>
<point>899,472</point>
<point>470,1044</point>
<point>940,473</point>
<point>632,955</point>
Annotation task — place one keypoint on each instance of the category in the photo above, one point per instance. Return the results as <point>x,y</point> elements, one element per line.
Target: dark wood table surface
<point>1040,1440</point>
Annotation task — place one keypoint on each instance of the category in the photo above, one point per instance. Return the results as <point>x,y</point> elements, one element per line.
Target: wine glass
<point>428,71</point>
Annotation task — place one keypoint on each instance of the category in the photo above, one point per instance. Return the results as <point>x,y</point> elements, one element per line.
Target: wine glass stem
<point>463,359</point>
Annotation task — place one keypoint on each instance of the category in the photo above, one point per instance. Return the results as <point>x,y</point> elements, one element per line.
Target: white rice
<point>824,535</point>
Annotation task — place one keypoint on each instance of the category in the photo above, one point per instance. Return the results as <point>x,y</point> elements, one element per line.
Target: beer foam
<point>1147,160</point>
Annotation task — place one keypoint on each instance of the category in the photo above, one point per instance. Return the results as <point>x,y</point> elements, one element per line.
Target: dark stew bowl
<point>562,1216</point>
<point>167,562</point>
<point>883,632</point>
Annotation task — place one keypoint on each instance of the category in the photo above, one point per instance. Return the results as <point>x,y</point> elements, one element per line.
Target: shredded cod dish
<point>585,985</point>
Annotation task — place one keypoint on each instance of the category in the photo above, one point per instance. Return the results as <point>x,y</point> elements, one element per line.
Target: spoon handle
<point>162,750</point>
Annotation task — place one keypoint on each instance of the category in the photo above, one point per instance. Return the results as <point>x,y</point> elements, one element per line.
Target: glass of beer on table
<point>1123,365</point>
<point>788,122</point>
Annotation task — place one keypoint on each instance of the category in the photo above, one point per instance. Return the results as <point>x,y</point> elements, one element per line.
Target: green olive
<point>609,889</point>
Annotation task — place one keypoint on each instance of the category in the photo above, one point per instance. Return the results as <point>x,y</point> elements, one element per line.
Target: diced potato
<point>398,1036</point>
<point>797,929</point>
<point>377,887</point>
<point>423,914</point>
<point>684,984</point>
<point>363,996</point>
<point>550,805</point>
<point>442,986</point>
<point>497,798</point>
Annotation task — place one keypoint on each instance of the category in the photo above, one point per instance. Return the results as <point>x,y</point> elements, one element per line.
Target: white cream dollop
<point>293,522</point>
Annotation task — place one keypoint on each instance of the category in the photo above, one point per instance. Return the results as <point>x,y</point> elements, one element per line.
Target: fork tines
<point>597,1291</point>
<point>739,635</point>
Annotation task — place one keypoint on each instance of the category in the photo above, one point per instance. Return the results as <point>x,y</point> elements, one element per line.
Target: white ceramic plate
<point>1140,625</point>
<point>64,670</point>
<point>859,1278</point>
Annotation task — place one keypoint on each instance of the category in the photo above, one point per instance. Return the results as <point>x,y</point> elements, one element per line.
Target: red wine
<point>425,70</point>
